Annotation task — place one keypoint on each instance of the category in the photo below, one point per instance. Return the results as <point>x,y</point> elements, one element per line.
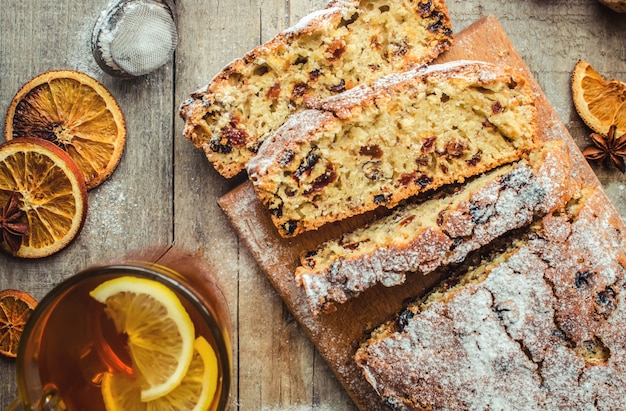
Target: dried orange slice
<point>15,310</point>
<point>40,182</point>
<point>599,103</point>
<point>75,112</point>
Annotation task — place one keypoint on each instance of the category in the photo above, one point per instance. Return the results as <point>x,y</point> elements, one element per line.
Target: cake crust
<point>540,328</point>
<point>420,238</point>
<point>329,51</point>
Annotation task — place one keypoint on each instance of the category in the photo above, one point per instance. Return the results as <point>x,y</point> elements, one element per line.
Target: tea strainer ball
<point>135,37</point>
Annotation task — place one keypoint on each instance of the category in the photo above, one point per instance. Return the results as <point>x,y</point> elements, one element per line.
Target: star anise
<point>12,226</point>
<point>608,148</point>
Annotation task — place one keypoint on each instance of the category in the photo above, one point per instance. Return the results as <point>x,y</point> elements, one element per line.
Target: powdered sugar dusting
<point>321,19</point>
<point>297,127</point>
<point>476,71</point>
<point>439,235</point>
<point>471,71</point>
<point>542,331</point>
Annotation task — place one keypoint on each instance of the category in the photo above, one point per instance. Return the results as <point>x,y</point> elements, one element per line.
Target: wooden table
<point>164,190</point>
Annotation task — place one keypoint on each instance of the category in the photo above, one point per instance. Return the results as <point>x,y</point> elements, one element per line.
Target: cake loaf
<point>424,236</point>
<point>539,326</point>
<point>407,133</point>
<point>331,50</point>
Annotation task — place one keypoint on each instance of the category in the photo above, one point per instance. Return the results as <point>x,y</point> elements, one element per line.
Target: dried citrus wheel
<point>41,189</point>
<point>75,112</point>
<point>15,310</point>
<point>599,103</point>
<point>159,331</point>
<point>195,392</point>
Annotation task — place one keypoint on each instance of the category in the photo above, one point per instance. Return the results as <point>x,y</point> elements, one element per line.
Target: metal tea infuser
<point>134,37</point>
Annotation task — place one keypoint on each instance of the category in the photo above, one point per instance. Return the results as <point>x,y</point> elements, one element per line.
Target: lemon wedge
<point>195,392</point>
<point>159,330</point>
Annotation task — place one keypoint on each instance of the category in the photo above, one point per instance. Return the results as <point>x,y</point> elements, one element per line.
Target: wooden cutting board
<point>337,335</point>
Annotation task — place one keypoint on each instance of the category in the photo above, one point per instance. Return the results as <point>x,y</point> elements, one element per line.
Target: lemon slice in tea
<point>600,103</point>
<point>43,191</point>
<point>75,112</point>
<point>195,392</point>
<point>159,332</point>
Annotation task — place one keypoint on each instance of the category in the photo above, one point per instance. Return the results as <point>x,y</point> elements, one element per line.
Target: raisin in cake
<point>347,43</point>
<point>539,326</point>
<point>376,145</point>
<point>424,236</point>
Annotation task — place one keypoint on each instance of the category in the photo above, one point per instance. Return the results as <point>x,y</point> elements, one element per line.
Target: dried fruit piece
<point>75,112</point>
<point>47,187</point>
<point>15,310</point>
<point>600,103</point>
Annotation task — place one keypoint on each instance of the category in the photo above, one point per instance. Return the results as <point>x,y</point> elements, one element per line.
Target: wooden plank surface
<point>165,191</point>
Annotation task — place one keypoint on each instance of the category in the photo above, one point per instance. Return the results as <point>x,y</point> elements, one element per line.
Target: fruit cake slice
<point>424,236</point>
<point>329,51</point>
<point>540,326</point>
<point>407,133</point>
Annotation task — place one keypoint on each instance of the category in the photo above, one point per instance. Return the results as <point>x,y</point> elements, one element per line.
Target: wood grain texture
<point>165,191</point>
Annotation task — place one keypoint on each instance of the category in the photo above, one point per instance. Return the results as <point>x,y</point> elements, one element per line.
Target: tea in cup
<point>152,328</point>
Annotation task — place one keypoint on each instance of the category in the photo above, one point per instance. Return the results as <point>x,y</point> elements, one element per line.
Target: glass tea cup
<point>69,343</point>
